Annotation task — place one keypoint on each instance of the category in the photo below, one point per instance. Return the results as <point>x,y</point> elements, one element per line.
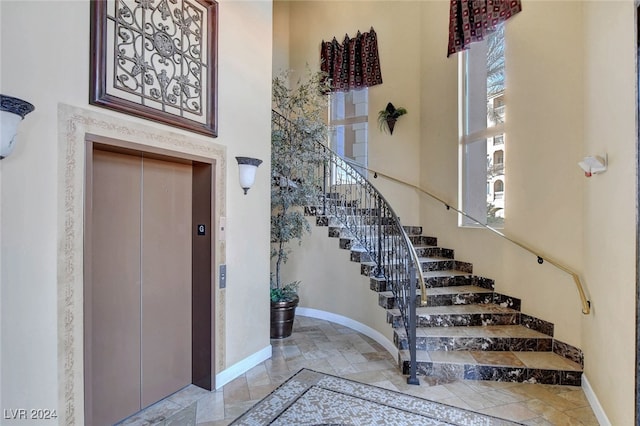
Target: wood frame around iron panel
<point>98,74</point>
<point>637,355</point>
<point>203,306</point>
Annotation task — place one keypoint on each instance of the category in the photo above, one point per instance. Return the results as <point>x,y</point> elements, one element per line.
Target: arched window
<point>498,186</point>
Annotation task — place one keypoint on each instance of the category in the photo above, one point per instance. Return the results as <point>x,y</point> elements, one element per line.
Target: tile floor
<point>341,351</point>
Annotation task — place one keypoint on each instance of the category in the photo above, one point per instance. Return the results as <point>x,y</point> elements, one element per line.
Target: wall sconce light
<point>12,112</point>
<point>593,165</point>
<point>247,168</point>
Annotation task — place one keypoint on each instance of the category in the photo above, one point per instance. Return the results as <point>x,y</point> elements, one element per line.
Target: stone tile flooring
<point>341,351</point>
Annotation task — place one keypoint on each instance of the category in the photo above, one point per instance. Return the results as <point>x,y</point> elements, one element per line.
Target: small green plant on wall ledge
<point>387,117</point>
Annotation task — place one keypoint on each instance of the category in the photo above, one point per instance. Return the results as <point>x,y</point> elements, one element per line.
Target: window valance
<point>352,64</point>
<point>471,20</point>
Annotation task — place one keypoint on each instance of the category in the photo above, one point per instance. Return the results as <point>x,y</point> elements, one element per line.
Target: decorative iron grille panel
<point>158,54</point>
<point>156,59</point>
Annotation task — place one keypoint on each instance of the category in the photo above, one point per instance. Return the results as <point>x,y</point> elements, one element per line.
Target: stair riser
<point>378,284</point>
<point>359,257</point>
<point>338,204</point>
<point>343,210</point>
<point>459,299</point>
<point>368,269</point>
<point>537,324</point>
<point>435,252</point>
<point>509,302</point>
<point>348,244</point>
<point>451,372</point>
<point>339,231</point>
<point>477,344</point>
<point>569,352</point>
<point>446,265</point>
<point>422,240</point>
<point>458,280</point>
<point>363,221</point>
<point>462,320</point>
<point>437,265</point>
<point>388,301</point>
<point>413,230</point>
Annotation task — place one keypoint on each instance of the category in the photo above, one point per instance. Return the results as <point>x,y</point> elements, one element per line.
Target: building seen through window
<point>483,142</point>
<point>348,123</point>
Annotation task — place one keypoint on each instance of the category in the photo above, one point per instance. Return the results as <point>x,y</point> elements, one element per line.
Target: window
<point>482,139</point>
<point>348,121</point>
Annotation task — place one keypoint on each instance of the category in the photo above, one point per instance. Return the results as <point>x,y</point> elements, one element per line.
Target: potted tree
<point>298,130</point>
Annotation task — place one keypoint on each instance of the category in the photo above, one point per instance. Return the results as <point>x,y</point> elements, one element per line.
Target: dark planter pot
<point>282,316</point>
<point>391,123</point>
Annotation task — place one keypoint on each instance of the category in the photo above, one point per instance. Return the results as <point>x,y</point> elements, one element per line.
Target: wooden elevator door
<point>138,298</point>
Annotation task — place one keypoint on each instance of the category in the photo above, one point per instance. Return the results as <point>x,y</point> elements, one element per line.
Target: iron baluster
<point>371,223</point>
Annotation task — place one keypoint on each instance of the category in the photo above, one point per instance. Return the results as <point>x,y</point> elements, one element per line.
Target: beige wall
<point>35,69</point>
<point>541,206</point>
<point>280,37</point>
<point>310,22</point>
<point>300,28</point>
<point>332,283</point>
<point>245,88</point>
<point>609,204</point>
<point>543,136</point>
<point>570,92</point>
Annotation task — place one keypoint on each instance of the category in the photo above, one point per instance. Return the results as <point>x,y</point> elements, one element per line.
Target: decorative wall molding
<point>73,126</point>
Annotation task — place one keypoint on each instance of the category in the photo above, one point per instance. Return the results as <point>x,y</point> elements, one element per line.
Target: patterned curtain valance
<point>471,20</point>
<point>354,64</point>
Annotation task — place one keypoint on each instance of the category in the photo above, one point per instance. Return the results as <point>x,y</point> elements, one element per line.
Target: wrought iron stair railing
<point>347,196</point>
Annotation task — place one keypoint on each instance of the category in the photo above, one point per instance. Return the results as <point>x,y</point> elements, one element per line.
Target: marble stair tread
<point>434,259</point>
<point>446,273</point>
<point>484,331</point>
<point>530,360</point>
<point>484,308</point>
<point>461,289</point>
<point>443,291</point>
<point>418,246</point>
<point>458,315</point>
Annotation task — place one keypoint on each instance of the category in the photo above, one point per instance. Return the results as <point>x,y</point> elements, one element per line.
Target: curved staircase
<point>466,330</point>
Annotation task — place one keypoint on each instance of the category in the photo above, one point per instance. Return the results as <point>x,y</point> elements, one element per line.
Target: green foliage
<point>495,61</point>
<point>492,219</point>
<point>296,137</point>
<point>389,113</point>
<point>285,293</point>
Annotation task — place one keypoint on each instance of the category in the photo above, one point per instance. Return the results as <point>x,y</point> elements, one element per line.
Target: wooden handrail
<point>586,304</point>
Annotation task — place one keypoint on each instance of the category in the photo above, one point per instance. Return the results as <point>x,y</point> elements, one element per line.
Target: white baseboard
<point>239,368</point>
<point>595,404</point>
<point>264,354</point>
<point>348,322</point>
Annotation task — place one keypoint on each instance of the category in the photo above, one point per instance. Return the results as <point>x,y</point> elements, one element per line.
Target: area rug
<point>313,398</point>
